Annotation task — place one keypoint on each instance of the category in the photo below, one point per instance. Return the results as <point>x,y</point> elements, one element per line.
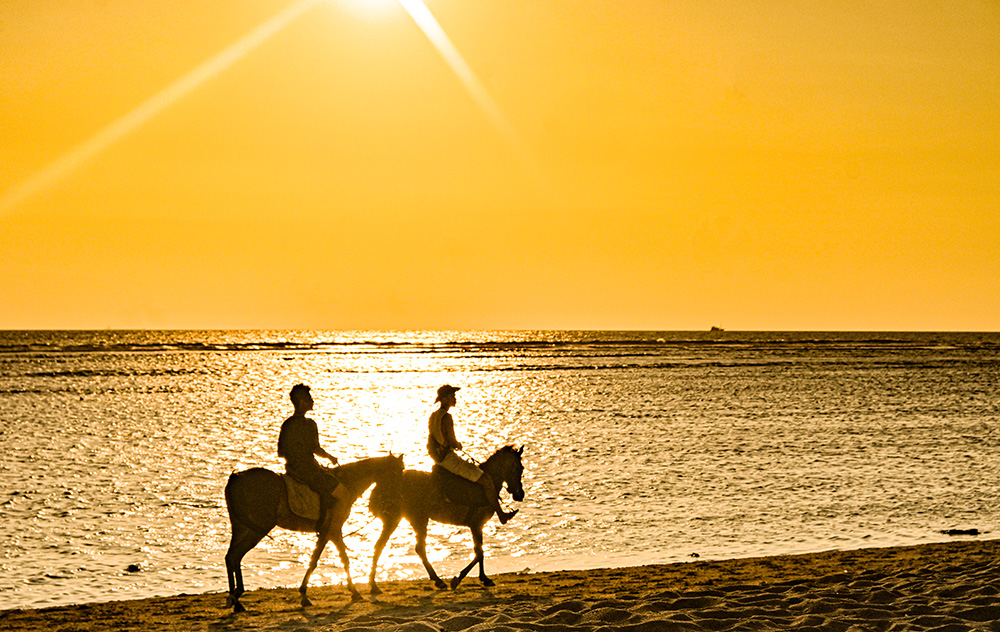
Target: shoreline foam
<point>944,586</point>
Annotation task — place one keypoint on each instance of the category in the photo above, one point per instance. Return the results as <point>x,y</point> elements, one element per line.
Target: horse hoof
<point>238,607</point>
<point>305,602</point>
<point>489,583</point>
<point>455,581</point>
<point>440,585</point>
<point>375,590</point>
<point>356,596</point>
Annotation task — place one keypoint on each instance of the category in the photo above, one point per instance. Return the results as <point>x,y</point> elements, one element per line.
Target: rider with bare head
<point>298,444</point>
<point>441,444</point>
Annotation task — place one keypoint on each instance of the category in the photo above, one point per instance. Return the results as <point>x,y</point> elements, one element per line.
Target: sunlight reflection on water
<point>115,457</point>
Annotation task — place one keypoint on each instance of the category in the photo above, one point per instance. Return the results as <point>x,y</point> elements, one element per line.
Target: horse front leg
<point>477,541</point>
<point>389,524</point>
<point>420,528</point>
<point>321,540</point>
<point>338,541</point>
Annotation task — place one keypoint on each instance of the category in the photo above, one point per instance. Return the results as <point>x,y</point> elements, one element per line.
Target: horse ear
<point>521,451</point>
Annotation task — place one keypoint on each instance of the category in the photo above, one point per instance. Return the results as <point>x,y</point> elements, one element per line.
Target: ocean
<point>639,447</point>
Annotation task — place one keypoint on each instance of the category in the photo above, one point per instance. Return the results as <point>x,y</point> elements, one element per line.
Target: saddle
<point>458,490</point>
<point>302,500</point>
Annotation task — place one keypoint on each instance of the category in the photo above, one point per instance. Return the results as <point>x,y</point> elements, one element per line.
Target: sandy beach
<point>945,587</point>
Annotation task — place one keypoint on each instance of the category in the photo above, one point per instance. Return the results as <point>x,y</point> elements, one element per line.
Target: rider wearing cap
<point>441,444</point>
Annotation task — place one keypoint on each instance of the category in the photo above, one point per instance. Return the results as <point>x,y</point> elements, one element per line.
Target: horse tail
<point>382,502</point>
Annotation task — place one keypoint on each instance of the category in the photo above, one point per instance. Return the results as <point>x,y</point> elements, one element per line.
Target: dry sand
<point>947,587</point>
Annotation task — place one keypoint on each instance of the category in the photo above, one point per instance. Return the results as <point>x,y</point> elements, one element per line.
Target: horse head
<point>508,468</point>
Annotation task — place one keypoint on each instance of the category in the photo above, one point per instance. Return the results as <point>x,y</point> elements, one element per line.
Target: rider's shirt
<point>441,439</point>
<point>441,443</point>
<point>298,441</point>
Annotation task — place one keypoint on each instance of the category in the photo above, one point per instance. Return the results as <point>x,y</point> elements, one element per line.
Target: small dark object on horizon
<point>695,555</point>
<point>960,531</point>
<point>133,568</point>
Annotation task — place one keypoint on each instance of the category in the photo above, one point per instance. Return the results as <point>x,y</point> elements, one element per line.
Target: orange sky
<point>667,165</point>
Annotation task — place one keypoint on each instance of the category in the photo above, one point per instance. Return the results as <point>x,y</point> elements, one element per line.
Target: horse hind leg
<point>389,524</point>
<point>242,541</point>
<point>421,548</point>
<point>477,541</point>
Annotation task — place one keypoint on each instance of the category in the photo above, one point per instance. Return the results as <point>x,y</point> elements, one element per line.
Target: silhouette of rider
<point>441,444</point>
<point>298,443</point>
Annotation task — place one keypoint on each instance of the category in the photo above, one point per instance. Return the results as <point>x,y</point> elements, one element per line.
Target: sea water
<point>639,447</point>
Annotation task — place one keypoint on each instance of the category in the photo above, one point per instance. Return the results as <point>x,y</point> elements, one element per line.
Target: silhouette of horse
<point>257,501</point>
<point>423,500</point>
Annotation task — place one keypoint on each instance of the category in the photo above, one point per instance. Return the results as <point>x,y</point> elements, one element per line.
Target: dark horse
<point>422,500</point>
<point>258,501</point>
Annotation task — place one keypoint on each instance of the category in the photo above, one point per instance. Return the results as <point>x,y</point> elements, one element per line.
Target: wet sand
<point>947,587</point>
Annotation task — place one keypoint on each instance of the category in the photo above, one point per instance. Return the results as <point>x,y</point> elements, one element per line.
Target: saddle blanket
<point>303,501</point>
<point>457,489</point>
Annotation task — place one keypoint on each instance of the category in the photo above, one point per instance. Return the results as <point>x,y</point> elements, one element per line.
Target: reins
<point>505,506</point>
<point>359,529</point>
<point>469,456</point>
<point>350,487</point>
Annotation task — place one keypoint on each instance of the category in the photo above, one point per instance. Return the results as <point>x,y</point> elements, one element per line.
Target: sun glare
<point>55,171</point>
<point>368,9</point>
<point>440,40</point>
<point>58,169</point>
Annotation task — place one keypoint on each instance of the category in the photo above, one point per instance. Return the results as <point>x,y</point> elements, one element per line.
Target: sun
<point>370,9</point>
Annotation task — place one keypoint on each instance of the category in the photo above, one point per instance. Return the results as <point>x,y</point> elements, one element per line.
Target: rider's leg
<point>326,503</point>
<point>325,487</point>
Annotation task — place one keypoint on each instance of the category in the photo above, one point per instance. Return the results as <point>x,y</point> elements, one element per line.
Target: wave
<point>575,364</point>
<point>494,342</point>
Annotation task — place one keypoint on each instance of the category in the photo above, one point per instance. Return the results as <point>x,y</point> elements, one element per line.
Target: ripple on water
<point>118,458</point>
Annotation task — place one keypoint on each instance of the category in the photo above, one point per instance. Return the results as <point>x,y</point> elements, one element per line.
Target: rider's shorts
<point>456,465</point>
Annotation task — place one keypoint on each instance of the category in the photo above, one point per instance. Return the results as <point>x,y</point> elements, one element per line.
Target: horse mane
<point>347,472</point>
<point>508,449</point>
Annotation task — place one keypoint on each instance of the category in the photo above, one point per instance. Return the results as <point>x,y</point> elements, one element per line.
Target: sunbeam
<point>60,168</point>
<point>71,160</point>
<point>440,40</point>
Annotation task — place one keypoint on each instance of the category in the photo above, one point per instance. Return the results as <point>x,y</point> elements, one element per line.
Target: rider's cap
<point>445,390</point>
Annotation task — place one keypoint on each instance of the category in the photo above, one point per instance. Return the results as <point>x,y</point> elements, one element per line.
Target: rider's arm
<point>317,449</point>
<point>448,429</point>
<point>435,426</point>
<point>281,441</point>
<point>323,453</point>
